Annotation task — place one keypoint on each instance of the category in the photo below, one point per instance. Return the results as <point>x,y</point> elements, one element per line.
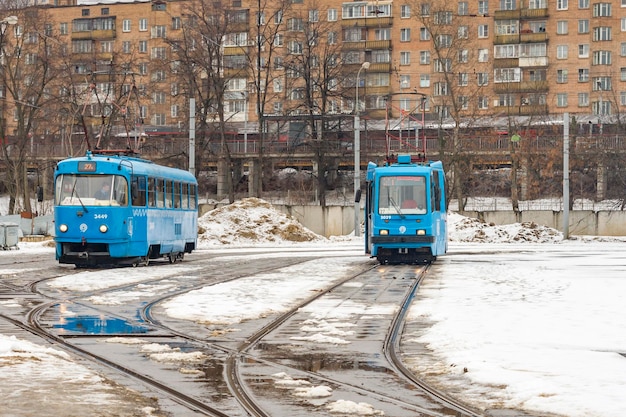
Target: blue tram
<point>405,209</point>
<point>122,210</point>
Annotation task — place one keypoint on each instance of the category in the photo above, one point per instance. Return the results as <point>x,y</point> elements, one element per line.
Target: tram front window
<point>91,190</point>
<point>402,195</point>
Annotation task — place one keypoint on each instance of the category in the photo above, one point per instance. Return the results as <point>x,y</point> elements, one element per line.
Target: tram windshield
<point>91,190</point>
<point>402,195</point>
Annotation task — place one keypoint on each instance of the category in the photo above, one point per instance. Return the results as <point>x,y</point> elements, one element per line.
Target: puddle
<point>97,325</point>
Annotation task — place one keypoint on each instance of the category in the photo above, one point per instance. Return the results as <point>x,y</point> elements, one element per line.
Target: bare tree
<point>459,78</point>
<point>27,71</point>
<point>312,83</point>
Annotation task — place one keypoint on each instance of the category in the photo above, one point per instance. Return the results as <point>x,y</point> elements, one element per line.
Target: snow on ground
<point>533,322</point>
<point>248,222</point>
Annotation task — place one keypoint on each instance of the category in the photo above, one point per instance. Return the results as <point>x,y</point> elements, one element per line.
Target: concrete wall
<point>581,222</point>
<point>338,220</point>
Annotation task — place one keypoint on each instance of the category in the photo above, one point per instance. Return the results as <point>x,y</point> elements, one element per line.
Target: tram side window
<point>167,191</point>
<point>120,190</point>
<point>152,192</point>
<point>160,193</point>
<point>185,195</point>
<point>193,196</point>
<point>176,194</point>
<point>138,191</point>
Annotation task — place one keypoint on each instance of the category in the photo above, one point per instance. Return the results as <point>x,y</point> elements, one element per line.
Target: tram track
<point>263,347</point>
<point>36,325</point>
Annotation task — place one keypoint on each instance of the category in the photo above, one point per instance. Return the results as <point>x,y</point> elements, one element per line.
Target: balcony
<point>534,61</point>
<point>94,34</point>
<point>524,37</point>
<point>533,37</point>
<point>521,87</point>
<point>371,22</point>
<point>506,63</point>
<point>366,45</point>
<point>235,50</point>
<point>524,14</point>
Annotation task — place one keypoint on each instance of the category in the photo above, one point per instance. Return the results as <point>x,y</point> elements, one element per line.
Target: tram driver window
<point>402,195</point>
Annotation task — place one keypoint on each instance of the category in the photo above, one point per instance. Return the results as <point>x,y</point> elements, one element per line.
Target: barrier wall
<point>338,220</point>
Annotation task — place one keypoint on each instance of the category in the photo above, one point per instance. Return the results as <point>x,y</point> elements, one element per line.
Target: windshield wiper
<point>395,206</point>
<point>77,196</point>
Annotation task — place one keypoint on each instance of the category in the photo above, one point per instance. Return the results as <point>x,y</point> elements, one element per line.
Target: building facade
<point>131,64</point>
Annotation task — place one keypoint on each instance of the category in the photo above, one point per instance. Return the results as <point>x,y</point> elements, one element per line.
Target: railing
<point>163,148</point>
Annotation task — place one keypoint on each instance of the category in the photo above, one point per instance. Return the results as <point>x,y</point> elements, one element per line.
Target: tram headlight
<point>63,228</point>
<point>384,232</point>
<point>103,228</point>
<point>420,232</point>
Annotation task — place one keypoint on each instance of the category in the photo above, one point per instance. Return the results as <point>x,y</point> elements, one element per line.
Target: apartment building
<point>433,61</point>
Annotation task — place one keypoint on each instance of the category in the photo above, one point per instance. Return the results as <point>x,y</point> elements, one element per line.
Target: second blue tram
<point>119,209</point>
<point>405,209</point>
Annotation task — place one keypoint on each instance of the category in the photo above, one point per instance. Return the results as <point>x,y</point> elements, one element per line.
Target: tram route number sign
<point>87,166</point>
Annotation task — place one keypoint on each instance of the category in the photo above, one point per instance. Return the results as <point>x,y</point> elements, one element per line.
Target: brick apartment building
<point>430,61</point>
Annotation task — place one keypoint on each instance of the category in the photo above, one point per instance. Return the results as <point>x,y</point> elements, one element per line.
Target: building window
<point>126,45</point>
<point>602,33</point>
<point>143,47</point>
<point>583,99</point>
<point>561,100</point>
<point>583,75</point>
<point>424,34</point>
<point>562,4</point>
<point>561,52</point>
<point>104,11</point>
<point>463,56</point>
<point>483,31</point>
<point>483,103</point>
<point>126,25</point>
<point>463,79</point>
<point>483,55</point>
<point>332,15</point>
<point>463,32</point>
<point>405,11</point>
<point>159,31</point>
<point>561,27</point>
<point>424,57</point>
<point>382,34</point>
<point>84,12</point>
<point>623,24</point>
<point>174,111</point>
<point>482,78</point>
<point>583,50</point>
<point>483,7</point>
<point>314,16</point>
<point>176,23</point>
<point>158,119</point>
<point>405,35</point>
<point>561,76</point>
<point>63,28</point>
<point>143,25</point>
<point>463,8</point>
<point>602,10</point>
<point>601,58</point>
<point>583,4</point>
<point>424,80</point>
<point>405,58</point>
<point>583,26</point>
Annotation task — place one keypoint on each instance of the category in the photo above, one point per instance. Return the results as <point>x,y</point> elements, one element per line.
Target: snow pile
<point>251,221</point>
<point>467,229</point>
